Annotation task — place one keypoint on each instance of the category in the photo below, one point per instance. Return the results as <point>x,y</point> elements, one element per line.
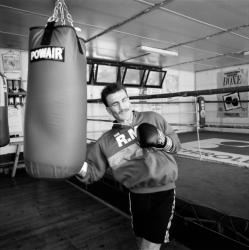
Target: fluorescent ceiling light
<point>159,51</point>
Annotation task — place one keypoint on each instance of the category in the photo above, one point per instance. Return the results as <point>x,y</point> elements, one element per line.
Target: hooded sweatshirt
<point>141,170</point>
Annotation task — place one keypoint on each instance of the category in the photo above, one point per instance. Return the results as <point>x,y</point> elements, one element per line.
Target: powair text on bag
<point>48,53</point>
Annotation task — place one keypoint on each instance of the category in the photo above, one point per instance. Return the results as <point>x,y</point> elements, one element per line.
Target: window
<point>89,73</point>
<point>106,74</point>
<point>132,77</point>
<point>155,78</point>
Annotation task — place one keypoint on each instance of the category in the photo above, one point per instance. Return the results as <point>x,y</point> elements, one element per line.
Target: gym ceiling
<point>206,34</point>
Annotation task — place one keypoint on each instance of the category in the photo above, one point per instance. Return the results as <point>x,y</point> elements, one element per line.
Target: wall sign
<point>230,104</point>
<point>11,62</point>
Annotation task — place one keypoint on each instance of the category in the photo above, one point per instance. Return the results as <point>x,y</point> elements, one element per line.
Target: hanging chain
<point>63,22</point>
<point>54,17</point>
<point>68,15</point>
<point>61,13</point>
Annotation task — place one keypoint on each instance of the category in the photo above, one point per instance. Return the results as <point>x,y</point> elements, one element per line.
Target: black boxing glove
<point>149,136</point>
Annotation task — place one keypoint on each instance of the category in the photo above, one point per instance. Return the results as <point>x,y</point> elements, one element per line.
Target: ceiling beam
<point>141,13</point>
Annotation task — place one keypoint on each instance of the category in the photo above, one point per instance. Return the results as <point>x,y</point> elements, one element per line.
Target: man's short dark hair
<point>111,89</point>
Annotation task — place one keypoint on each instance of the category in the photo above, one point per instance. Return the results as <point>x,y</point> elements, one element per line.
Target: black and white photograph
<point>124,125</point>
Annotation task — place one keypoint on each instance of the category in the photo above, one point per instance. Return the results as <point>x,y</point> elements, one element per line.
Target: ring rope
<point>187,124</point>
<point>185,93</point>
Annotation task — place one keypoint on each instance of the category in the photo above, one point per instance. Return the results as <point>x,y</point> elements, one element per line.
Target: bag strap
<point>47,35</point>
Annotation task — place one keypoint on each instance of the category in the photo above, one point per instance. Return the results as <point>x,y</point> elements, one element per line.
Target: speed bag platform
<point>55,114</point>
<point>4,124</point>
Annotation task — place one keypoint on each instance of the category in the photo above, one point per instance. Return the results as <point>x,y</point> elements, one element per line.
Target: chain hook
<point>61,13</point>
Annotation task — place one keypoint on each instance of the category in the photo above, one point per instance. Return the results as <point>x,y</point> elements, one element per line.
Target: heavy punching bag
<point>4,124</point>
<point>55,114</point>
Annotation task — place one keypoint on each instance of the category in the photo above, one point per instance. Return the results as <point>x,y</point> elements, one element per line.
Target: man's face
<point>119,106</point>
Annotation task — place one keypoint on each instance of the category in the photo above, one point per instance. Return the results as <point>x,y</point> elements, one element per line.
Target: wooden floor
<point>39,214</point>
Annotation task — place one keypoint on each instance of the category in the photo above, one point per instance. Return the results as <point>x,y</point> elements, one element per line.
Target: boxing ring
<point>212,188</point>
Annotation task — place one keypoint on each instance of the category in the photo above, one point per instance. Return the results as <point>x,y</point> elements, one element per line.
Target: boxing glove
<point>149,136</point>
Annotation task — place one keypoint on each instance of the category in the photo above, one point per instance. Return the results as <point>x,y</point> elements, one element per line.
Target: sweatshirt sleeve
<point>173,144</point>
<point>96,162</point>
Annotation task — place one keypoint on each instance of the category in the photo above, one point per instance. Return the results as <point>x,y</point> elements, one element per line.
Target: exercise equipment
<point>55,115</point>
<point>201,111</point>
<point>4,124</point>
